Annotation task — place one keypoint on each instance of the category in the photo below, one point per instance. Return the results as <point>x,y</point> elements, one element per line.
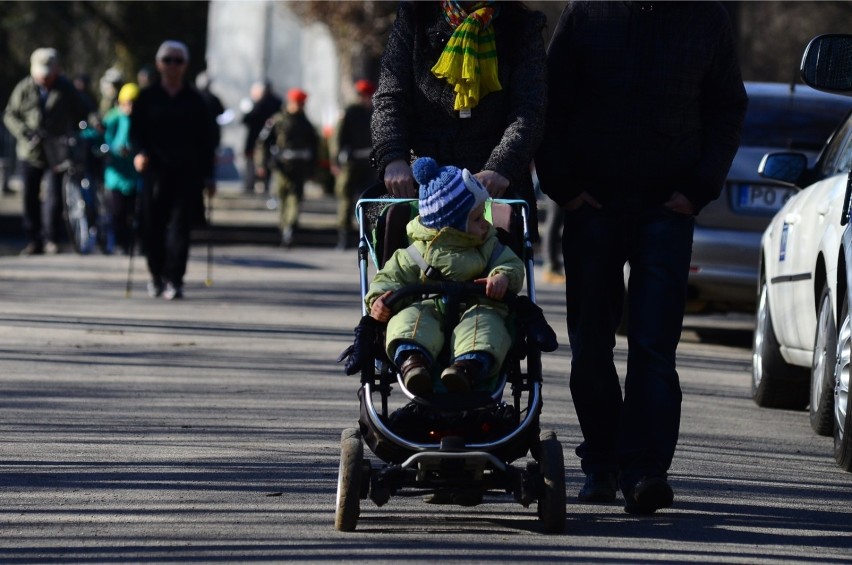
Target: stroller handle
<point>453,290</point>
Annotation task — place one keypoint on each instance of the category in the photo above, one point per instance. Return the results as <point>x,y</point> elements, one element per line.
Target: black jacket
<point>413,109</point>
<point>645,99</point>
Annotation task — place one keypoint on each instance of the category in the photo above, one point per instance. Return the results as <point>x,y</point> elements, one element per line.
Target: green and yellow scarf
<point>469,60</point>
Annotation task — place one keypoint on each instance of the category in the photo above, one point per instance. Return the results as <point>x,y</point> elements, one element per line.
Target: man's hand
<point>210,187</point>
<point>379,311</point>
<point>399,181</point>
<point>681,204</point>
<point>495,285</point>
<point>495,183</point>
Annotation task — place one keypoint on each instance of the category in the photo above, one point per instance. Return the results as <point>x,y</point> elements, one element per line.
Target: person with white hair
<point>42,110</point>
<point>171,131</point>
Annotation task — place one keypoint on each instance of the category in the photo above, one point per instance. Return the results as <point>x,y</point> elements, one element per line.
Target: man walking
<point>173,134</point>
<point>44,109</point>
<point>647,106</point>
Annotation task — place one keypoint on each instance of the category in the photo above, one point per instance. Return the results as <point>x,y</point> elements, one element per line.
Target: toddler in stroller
<point>449,299</point>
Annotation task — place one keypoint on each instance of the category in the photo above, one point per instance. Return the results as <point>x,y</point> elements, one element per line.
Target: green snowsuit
<point>459,256</point>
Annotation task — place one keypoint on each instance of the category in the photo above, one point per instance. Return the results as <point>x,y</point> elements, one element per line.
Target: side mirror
<point>827,63</point>
<point>783,167</point>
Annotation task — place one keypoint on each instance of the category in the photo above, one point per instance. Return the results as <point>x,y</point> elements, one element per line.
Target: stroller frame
<point>449,469</point>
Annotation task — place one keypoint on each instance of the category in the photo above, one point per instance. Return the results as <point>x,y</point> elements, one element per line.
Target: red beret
<point>365,87</point>
<point>297,95</point>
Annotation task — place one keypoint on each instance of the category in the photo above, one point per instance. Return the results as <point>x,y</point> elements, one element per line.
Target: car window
<point>792,123</point>
<point>838,155</point>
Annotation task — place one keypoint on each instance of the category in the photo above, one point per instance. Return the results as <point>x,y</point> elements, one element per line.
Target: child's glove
<point>536,328</point>
<point>363,349</point>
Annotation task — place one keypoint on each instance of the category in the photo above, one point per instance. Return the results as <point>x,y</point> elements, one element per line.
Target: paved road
<point>207,430</point>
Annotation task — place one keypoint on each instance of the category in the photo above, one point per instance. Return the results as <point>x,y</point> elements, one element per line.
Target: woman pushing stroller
<point>452,241</point>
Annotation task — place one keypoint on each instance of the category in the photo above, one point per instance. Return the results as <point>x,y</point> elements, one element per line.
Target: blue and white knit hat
<point>447,194</point>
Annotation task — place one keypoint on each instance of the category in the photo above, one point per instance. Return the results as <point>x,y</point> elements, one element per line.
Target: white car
<point>804,268</point>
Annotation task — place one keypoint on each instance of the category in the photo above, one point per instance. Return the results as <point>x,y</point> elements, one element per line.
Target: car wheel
<point>842,412</point>
<point>822,368</point>
<point>774,382</point>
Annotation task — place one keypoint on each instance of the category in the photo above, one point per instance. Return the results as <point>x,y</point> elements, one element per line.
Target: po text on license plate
<point>761,198</point>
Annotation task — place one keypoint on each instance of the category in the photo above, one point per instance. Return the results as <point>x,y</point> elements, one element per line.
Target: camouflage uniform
<point>291,142</point>
<point>352,147</point>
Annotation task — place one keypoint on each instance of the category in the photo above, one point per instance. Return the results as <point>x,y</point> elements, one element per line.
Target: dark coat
<point>176,132</point>
<point>413,109</point>
<point>644,102</point>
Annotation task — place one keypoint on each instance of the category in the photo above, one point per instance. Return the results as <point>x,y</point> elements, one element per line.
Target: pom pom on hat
<point>447,194</point>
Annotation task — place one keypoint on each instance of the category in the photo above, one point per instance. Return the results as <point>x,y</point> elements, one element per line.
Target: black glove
<point>536,328</point>
<point>364,348</point>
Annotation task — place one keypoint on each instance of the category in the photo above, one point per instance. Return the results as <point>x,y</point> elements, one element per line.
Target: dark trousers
<point>42,220</point>
<point>634,435</point>
<point>167,210</point>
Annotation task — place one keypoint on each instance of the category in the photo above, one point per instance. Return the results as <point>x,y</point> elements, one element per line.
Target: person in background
<point>262,105</point>
<point>291,141</point>
<point>490,124</point>
<point>120,177</point>
<point>44,109</point>
<point>109,85</point>
<point>647,106</point>
<point>352,148</point>
<point>146,76</point>
<point>171,132</point>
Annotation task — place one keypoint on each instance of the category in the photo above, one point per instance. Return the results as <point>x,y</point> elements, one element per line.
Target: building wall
<point>249,41</point>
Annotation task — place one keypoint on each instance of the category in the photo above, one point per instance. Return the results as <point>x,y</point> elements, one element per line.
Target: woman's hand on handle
<point>495,183</point>
<point>399,181</point>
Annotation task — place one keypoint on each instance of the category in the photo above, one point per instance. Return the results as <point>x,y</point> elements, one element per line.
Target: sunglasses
<point>173,60</point>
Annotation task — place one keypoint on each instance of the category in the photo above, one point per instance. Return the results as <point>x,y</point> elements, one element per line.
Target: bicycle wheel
<point>74,212</point>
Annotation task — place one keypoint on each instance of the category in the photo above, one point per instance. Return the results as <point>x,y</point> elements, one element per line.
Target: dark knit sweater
<point>413,110</point>
<point>646,99</point>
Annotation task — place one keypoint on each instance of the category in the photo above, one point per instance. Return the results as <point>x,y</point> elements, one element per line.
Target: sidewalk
<point>236,218</point>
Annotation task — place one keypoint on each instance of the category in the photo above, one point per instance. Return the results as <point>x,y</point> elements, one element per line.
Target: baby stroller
<point>448,448</point>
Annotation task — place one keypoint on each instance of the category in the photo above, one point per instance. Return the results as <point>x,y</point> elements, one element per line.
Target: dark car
<point>724,270</point>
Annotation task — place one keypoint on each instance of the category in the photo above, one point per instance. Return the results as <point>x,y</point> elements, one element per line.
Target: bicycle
<point>84,209</point>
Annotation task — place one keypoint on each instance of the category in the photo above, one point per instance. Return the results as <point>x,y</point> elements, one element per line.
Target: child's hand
<point>380,312</point>
<point>495,286</point>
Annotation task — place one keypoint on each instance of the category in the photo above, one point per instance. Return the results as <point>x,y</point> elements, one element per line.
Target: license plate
<point>760,198</point>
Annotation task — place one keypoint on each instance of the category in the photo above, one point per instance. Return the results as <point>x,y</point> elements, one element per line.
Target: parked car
<point>726,244</point>
<point>799,357</point>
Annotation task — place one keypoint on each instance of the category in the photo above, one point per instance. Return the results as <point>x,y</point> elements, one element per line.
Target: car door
<point>809,241</point>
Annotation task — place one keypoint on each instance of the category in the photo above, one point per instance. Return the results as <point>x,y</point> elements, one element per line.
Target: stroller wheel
<point>348,506</point>
<point>551,500</point>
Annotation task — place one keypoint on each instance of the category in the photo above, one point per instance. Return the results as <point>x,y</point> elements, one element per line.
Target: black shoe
<point>599,487</point>
<point>649,495</point>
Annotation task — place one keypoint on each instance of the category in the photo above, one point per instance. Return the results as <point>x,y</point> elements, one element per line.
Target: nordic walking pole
<point>209,280</point>
<point>134,225</point>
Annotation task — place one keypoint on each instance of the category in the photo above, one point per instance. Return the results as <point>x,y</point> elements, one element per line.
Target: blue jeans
<point>635,434</point>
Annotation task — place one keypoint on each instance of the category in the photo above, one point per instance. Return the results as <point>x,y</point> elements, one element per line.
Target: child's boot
<point>415,374</point>
<point>461,375</point>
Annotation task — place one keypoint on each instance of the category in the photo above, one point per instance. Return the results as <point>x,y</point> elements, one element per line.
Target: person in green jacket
<point>43,111</point>
<point>452,236</point>
<point>292,143</point>
<point>120,177</point>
